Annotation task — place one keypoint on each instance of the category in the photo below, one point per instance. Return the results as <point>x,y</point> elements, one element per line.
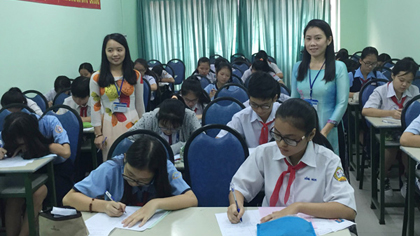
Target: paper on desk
<point>264,211</point>
<point>248,226</point>
<point>16,161</point>
<point>102,224</point>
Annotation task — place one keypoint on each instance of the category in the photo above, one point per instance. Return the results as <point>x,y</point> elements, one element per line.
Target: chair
<point>365,92</point>
<point>356,56</point>
<point>213,58</point>
<point>5,112</point>
<point>73,125</point>
<point>178,67</point>
<point>38,98</point>
<point>241,65</point>
<point>59,98</point>
<point>204,81</point>
<point>253,57</point>
<point>147,94</point>
<point>239,56</point>
<point>233,90</point>
<point>416,81</point>
<point>272,60</point>
<point>390,63</point>
<point>386,72</point>
<point>220,111</point>
<point>236,71</point>
<point>236,80</point>
<point>122,143</point>
<point>284,89</point>
<point>153,62</point>
<point>210,164</point>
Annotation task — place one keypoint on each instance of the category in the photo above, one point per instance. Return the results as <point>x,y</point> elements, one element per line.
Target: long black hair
<point>304,117</point>
<point>193,85</point>
<point>329,53</point>
<point>148,153</point>
<point>24,126</point>
<point>105,76</point>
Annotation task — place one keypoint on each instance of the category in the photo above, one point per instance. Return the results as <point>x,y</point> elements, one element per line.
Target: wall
<point>353,32</point>
<point>39,41</point>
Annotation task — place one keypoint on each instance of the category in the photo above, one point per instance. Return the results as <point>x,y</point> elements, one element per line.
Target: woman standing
<point>321,80</point>
<point>119,89</point>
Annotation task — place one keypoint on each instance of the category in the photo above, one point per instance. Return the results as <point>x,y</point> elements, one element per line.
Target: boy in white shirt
<point>79,99</point>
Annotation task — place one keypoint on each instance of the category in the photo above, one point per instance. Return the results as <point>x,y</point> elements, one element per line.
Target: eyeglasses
<point>138,183</point>
<point>173,130</point>
<point>370,64</point>
<point>189,100</point>
<point>288,141</point>
<point>256,106</point>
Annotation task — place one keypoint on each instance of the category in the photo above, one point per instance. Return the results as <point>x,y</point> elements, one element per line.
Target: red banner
<point>93,4</point>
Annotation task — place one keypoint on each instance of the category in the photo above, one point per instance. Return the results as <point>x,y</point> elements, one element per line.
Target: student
<point>15,95</point>
<point>166,82</point>
<point>172,121</point>
<point>223,76</point>
<point>61,83</point>
<point>141,65</point>
<point>141,177</point>
<point>382,58</point>
<point>389,99</point>
<point>260,65</point>
<point>79,99</point>
<point>163,75</point>
<point>86,70</point>
<point>262,56</point>
<point>203,69</point>
<point>322,80</point>
<point>368,61</point>
<point>342,55</point>
<point>314,181</point>
<point>194,96</point>
<point>34,137</point>
<point>254,122</point>
<point>117,89</point>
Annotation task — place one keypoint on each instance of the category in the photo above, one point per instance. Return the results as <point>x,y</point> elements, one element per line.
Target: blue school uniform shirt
<point>357,85</point>
<point>209,87</point>
<point>414,126</point>
<point>108,177</point>
<point>332,96</point>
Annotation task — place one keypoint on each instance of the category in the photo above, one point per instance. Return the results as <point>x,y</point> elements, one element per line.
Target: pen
<point>110,197</point>
<point>103,142</point>
<point>236,201</point>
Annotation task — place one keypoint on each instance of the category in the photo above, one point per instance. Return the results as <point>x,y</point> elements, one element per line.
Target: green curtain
<point>186,29</point>
<point>276,26</point>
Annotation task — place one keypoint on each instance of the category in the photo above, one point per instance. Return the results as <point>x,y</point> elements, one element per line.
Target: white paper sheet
<point>16,161</point>
<point>63,211</point>
<point>248,226</point>
<point>102,224</point>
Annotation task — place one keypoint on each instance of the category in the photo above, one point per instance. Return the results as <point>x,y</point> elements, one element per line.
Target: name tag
<point>314,103</point>
<point>119,107</point>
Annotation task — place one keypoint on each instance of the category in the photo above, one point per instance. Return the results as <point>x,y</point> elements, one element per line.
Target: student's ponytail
<point>304,117</point>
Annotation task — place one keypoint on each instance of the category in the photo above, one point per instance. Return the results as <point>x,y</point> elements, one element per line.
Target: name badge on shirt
<point>313,102</point>
<point>119,107</point>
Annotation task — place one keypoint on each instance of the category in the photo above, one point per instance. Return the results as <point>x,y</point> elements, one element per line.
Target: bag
<point>73,225</point>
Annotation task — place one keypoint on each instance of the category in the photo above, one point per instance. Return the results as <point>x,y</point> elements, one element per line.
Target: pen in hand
<point>236,201</point>
<point>110,197</point>
<point>103,143</point>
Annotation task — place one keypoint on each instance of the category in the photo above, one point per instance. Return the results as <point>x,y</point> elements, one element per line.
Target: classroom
<point>56,39</point>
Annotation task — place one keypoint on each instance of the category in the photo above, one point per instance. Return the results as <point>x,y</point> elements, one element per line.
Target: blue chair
<point>236,71</point>
<point>236,80</point>
<point>272,60</point>
<point>284,89</point>
<point>387,73</point>
<point>59,98</point>
<point>147,93</point>
<point>178,67</point>
<point>233,90</point>
<point>122,143</point>
<point>38,98</point>
<point>356,56</point>
<point>73,125</point>
<point>238,57</point>
<point>243,66</point>
<point>253,57</point>
<point>416,82</point>
<point>220,111</point>
<point>213,58</point>
<point>153,62</point>
<point>204,81</point>
<point>5,112</point>
<point>210,164</point>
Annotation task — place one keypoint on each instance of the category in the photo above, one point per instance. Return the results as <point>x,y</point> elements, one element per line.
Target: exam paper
<point>248,226</point>
<point>16,161</point>
<point>102,224</point>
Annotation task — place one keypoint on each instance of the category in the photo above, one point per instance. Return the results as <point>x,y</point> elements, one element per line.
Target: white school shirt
<point>151,81</point>
<point>322,180</point>
<point>197,109</point>
<point>31,104</point>
<point>72,104</point>
<point>381,97</point>
<point>50,95</point>
<point>247,123</point>
<point>248,72</point>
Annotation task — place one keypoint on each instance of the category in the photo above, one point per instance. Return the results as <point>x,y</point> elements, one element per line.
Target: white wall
<point>38,41</point>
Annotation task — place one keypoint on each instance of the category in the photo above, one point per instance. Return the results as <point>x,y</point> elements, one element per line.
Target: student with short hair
<point>388,100</point>
<point>368,62</point>
<point>223,76</point>
<point>141,65</point>
<point>194,96</point>
<point>203,69</point>
<point>61,83</point>
<point>255,121</point>
<point>15,95</point>
<point>86,70</point>
<point>342,55</point>
<point>143,176</point>
<point>262,56</point>
<point>79,99</point>
<point>382,58</point>
<point>299,171</point>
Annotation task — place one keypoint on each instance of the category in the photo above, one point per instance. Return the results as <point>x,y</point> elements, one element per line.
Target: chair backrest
<point>153,62</point>
<point>236,71</point>
<point>73,125</point>
<point>204,81</point>
<point>271,59</point>
<point>59,98</point>
<point>253,57</point>
<point>284,89</point>
<point>237,80</point>
<point>122,143</point>
<point>410,111</point>
<point>356,56</point>
<point>365,92</point>
<point>4,112</point>
<point>233,90</point>
<point>243,66</point>
<point>220,111</point>
<point>38,98</point>
<point>147,93</point>
<point>390,63</point>
<point>210,164</point>
<point>236,56</point>
<point>416,81</point>
<point>179,70</point>
<point>386,72</point>
<point>213,58</point>
<point>169,69</point>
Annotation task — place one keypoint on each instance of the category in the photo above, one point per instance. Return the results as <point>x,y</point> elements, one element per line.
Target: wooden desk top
<point>29,168</point>
<point>413,152</point>
<point>383,122</point>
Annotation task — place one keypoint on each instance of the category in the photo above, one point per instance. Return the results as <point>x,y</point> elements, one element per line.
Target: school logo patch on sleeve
<point>58,129</point>
<point>176,175</point>
<point>339,174</point>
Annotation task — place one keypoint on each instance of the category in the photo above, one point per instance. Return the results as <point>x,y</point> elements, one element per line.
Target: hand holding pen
<point>102,145</point>
<point>114,208</point>
<point>235,210</point>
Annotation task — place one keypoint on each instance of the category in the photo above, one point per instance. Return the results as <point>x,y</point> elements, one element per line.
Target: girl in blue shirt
<point>143,176</point>
<point>223,76</point>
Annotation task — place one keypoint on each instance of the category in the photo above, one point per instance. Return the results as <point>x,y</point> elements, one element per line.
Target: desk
<point>191,221</point>
<point>31,181</point>
<point>353,110</point>
<point>377,123</point>
<point>414,154</point>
